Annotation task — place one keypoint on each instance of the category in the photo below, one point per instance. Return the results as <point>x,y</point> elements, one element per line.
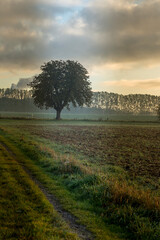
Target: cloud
<point>22,83</point>
<point>123,33</point>
<point>95,32</point>
<point>135,84</point>
<point>26,28</point>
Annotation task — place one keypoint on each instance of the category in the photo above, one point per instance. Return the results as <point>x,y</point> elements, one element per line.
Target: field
<point>80,116</point>
<point>79,180</point>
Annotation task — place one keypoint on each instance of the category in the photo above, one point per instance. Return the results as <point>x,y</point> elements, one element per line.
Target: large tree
<point>61,83</point>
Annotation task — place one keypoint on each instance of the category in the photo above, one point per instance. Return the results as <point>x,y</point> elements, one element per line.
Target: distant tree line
<point>15,100</point>
<point>15,93</point>
<point>21,100</point>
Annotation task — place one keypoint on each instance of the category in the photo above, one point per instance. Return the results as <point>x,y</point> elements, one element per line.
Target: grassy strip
<point>81,209</point>
<point>24,211</point>
<point>120,203</point>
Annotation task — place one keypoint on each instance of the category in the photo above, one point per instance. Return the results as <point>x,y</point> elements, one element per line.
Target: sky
<point>118,42</point>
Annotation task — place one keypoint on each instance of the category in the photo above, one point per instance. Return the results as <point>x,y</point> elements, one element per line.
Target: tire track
<point>69,218</point>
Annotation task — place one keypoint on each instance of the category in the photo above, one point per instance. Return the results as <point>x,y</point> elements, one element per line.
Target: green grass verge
<point>25,213</point>
<point>82,209</point>
<point>96,199</point>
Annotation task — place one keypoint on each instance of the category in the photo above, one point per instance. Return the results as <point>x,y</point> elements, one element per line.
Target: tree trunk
<point>58,116</point>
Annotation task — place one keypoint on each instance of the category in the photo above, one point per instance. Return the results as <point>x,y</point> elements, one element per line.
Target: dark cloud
<point>113,32</point>
<point>124,32</point>
<point>103,31</point>
<point>26,27</point>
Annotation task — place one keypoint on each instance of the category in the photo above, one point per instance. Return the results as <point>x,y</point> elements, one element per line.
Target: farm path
<point>69,218</point>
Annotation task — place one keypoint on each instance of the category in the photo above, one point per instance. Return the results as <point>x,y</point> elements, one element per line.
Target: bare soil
<point>135,148</point>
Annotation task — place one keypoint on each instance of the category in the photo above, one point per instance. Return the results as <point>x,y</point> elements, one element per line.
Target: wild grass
<point>81,116</point>
<point>24,211</point>
<point>81,209</point>
<point>110,195</point>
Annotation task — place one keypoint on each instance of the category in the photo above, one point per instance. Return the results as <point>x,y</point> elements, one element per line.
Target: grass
<point>83,210</point>
<point>43,115</point>
<point>112,202</point>
<point>132,147</point>
<point>24,211</point>
<point>80,116</point>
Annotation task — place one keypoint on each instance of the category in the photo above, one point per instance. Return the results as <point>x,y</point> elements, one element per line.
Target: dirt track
<point>70,219</point>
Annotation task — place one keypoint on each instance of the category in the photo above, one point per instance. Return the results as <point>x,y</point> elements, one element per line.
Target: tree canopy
<point>61,83</point>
